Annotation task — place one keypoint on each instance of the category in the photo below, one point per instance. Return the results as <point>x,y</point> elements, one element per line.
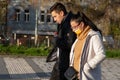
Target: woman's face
<point>75,25</point>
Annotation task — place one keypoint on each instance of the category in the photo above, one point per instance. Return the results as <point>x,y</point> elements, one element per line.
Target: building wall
<point>39,20</point>
<point>42,17</point>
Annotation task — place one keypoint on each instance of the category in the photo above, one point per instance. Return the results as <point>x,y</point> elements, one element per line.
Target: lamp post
<point>37,7</point>
<point>36,27</point>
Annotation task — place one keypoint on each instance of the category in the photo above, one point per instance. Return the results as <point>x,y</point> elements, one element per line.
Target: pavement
<point>31,68</point>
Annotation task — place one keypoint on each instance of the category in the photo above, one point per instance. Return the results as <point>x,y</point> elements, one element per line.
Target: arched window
<point>45,16</point>
<point>26,15</point>
<point>48,17</point>
<point>17,13</point>
<point>42,19</point>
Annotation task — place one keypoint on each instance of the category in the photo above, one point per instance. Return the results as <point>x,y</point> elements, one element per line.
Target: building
<point>28,22</point>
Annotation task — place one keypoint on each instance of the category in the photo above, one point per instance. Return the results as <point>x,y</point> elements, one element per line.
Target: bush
<point>113,53</point>
<point>42,51</point>
<point>25,51</point>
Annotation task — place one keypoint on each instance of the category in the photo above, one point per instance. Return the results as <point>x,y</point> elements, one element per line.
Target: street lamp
<point>37,7</point>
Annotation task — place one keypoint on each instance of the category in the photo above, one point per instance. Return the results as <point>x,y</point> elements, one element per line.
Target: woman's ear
<point>82,25</point>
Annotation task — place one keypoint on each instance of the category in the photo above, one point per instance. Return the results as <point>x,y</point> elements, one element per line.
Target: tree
<point>3,11</point>
<point>3,15</point>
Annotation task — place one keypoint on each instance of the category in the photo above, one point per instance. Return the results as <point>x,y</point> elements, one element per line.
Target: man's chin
<point>58,23</point>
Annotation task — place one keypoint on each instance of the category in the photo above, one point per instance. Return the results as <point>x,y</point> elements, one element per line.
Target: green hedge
<point>43,51</point>
<point>24,51</point>
<point>113,53</point>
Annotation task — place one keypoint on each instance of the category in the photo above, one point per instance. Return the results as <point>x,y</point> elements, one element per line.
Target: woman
<point>87,52</point>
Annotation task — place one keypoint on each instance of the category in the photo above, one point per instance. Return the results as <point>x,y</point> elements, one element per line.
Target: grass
<point>43,51</point>
<point>24,51</point>
<point>113,53</point>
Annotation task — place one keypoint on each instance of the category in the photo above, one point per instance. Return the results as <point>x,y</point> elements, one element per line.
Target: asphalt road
<point>12,68</point>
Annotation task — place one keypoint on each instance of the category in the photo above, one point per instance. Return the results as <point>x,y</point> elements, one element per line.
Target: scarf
<point>78,48</point>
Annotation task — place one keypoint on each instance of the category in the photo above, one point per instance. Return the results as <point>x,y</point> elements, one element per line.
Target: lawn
<point>43,51</point>
<point>113,53</point>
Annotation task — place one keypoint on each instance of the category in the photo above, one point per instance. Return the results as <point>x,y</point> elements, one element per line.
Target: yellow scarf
<point>78,48</point>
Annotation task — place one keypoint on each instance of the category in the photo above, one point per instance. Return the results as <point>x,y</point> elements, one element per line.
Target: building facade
<point>29,21</point>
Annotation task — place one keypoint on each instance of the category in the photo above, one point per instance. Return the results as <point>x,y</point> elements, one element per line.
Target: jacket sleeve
<point>98,48</point>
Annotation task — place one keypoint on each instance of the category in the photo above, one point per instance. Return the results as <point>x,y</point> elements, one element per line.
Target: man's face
<point>58,17</point>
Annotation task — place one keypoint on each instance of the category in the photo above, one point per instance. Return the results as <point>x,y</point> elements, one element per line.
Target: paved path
<point>36,68</point>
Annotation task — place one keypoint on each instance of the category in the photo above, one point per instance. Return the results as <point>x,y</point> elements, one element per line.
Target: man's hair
<point>58,7</point>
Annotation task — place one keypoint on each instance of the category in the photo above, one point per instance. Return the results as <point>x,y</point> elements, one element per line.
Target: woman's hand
<point>86,67</point>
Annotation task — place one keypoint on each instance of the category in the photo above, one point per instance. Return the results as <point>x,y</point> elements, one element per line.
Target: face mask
<point>78,31</point>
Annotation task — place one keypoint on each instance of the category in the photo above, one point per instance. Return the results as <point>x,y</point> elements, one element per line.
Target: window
<point>17,18</point>
<point>27,16</point>
<point>42,16</point>
<point>45,17</point>
<point>48,17</point>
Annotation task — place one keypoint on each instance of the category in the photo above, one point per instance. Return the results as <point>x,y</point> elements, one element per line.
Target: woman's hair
<point>58,7</point>
<point>81,17</point>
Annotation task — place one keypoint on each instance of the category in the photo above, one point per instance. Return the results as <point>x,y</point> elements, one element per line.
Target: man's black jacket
<point>64,41</point>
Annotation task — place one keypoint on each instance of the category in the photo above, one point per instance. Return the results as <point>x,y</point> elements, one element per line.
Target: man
<point>64,41</point>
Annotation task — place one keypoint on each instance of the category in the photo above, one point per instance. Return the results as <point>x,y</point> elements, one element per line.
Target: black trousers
<point>60,66</point>
<point>56,73</point>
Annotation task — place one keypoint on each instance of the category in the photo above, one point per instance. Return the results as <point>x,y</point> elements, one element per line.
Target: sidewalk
<point>36,68</point>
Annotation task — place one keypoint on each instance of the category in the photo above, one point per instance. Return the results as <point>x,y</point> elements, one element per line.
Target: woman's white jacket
<point>90,68</point>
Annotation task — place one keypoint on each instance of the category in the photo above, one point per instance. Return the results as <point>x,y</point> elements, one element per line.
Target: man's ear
<point>61,13</point>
